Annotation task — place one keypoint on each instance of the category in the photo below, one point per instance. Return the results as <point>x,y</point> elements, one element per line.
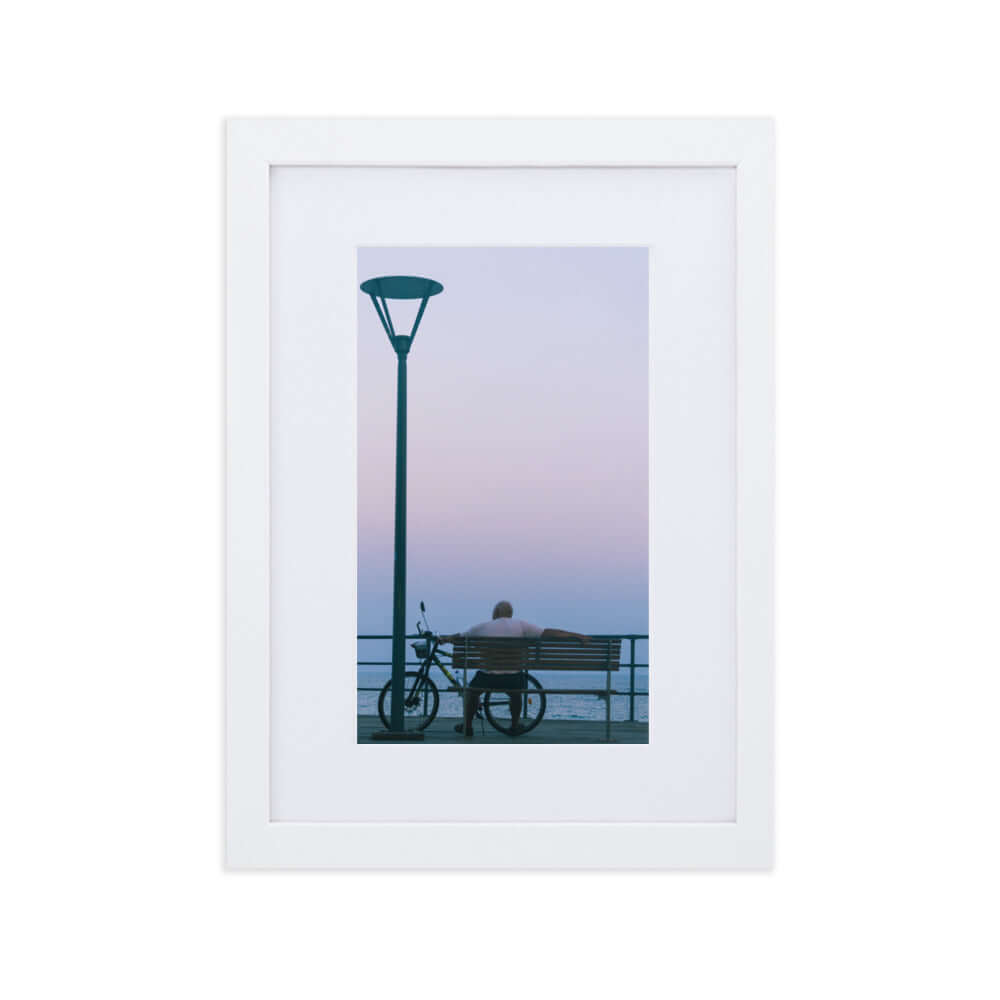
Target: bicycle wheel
<point>497,706</point>
<point>420,702</point>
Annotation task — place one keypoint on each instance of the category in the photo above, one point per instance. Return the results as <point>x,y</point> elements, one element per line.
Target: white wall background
<point>111,404</point>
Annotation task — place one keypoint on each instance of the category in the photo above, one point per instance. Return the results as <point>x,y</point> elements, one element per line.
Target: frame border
<point>253,147</point>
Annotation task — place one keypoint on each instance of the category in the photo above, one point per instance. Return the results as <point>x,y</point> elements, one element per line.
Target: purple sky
<point>528,438</point>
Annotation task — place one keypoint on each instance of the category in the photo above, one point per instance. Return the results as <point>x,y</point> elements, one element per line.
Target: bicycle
<point>421,698</point>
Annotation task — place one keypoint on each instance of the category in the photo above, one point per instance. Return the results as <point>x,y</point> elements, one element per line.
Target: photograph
<point>503,484</point>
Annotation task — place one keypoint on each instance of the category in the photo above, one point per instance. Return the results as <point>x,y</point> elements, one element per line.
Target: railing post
<point>631,682</point>
<point>607,696</point>
<point>465,679</point>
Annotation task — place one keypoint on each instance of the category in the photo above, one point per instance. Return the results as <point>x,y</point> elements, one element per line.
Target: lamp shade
<point>401,287</point>
<point>380,290</point>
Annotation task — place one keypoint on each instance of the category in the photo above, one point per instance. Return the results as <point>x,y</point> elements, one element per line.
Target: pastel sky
<point>528,438</point>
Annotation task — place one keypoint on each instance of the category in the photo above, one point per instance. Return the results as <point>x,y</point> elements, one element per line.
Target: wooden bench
<point>506,655</point>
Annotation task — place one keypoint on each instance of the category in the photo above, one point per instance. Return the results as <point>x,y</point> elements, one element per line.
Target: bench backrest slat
<point>536,654</point>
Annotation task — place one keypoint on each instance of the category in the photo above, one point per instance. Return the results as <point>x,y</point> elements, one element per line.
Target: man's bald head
<point>503,609</point>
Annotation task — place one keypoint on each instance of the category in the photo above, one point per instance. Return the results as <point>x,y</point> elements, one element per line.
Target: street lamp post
<point>381,290</point>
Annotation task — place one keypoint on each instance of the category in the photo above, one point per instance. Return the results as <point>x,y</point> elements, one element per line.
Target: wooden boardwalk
<point>442,730</point>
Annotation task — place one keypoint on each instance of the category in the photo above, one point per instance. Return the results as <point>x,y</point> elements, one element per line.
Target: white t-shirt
<point>505,628</point>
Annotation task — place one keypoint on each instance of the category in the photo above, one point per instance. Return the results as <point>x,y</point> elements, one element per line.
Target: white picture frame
<point>254,148</point>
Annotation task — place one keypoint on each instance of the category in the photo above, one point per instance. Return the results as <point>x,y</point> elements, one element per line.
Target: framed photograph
<point>500,481</point>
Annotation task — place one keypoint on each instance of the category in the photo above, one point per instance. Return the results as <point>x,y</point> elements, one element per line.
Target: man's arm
<point>559,633</point>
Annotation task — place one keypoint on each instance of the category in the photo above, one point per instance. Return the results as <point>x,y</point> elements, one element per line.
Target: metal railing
<point>631,694</point>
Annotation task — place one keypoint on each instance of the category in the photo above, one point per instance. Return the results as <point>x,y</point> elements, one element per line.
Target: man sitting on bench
<point>503,626</point>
